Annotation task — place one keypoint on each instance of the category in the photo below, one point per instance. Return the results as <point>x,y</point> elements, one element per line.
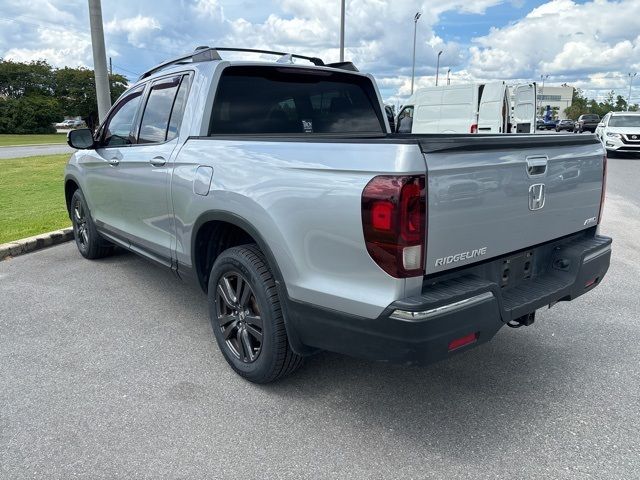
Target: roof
<point>208,54</point>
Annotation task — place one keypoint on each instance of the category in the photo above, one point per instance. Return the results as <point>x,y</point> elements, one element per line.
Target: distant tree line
<point>34,96</point>
<point>581,104</point>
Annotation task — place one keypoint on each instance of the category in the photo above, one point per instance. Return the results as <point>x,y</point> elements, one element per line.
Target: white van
<point>470,108</point>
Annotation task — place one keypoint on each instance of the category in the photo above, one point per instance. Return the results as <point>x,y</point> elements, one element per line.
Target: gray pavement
<point>108,369</point>
<point>33,150</point>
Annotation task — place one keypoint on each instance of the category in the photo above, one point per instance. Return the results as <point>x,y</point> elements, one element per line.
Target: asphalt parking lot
<point>109,369</point>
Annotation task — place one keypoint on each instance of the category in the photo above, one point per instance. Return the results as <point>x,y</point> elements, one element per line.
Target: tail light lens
<point>474,128</point>
<point>394,223</point>
<point>604,187</point>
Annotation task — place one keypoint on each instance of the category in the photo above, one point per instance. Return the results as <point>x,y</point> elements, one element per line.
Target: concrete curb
<point>30,244</point>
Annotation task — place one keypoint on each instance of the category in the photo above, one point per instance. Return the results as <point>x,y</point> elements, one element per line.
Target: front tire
<point>88,240</point>
<point>246,316</point>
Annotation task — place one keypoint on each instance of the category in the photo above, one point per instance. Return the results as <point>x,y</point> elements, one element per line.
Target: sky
<point>592,45</point>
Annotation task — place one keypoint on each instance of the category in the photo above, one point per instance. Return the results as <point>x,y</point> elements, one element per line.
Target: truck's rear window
<point>280,100</point>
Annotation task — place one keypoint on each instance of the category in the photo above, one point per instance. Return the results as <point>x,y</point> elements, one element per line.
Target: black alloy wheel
<point>247,316</point>
<point>239,317</point>
<point>89,242</point>
<point>80,224</point>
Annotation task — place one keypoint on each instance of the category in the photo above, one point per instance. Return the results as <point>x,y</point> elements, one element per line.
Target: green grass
<point>32,196</point>
<point>6,140</point>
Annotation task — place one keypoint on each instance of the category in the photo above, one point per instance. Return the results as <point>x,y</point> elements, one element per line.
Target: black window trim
<point>186,75</point>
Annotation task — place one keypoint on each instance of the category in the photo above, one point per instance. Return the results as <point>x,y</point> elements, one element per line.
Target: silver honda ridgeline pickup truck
<point>279,189</point>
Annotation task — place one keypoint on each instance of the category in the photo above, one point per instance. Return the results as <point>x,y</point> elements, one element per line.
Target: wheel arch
<point>71,184</point>
<point>203,227</point>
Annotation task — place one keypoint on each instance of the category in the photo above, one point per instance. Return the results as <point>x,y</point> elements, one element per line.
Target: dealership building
<point>559,97</point>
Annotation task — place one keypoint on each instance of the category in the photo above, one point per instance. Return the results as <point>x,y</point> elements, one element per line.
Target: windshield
<point>625,121</point>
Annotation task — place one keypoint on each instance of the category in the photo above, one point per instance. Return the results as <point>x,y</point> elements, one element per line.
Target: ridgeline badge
<point>458,257</point>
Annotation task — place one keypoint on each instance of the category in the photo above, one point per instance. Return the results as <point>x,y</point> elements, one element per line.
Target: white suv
<point>620,131</point>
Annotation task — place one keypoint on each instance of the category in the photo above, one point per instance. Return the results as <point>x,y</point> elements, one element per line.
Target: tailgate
<point>492,195</point>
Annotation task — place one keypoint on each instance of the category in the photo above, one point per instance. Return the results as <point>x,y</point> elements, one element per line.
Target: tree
<point>29,114</point>
<point>25,79</point>
<point>578,105</point>
<point>34,95</point>
<point>621,104</point>
<point>76,90</point>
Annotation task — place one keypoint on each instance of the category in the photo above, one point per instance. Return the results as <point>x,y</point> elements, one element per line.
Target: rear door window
<point>275,100</point>
<point>157,112</point>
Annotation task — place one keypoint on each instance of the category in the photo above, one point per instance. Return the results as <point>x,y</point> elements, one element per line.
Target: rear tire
<point>88,240</point>
<point>246,316</point>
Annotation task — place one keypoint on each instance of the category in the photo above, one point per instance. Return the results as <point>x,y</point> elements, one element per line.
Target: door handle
<point>537,165</point>
<point>158,161</point>
<point>114,162</point>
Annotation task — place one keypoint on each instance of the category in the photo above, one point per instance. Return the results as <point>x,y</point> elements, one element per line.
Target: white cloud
<point>139,29</point>
<point>563,38</point>
<point>591,45</point>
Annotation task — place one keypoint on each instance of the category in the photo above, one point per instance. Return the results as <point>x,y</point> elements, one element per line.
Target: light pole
<point>413,65</point>
<point>103,94</point>
<point>342,7</point>
<point>631,75</point>
<point>438,66</point>
<point>543,78</point>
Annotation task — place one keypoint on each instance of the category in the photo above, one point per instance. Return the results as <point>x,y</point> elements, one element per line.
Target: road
<point>109,369</point>
<point>33,150</point>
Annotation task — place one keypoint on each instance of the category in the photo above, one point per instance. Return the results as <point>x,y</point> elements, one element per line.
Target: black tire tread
<point>98,247</point>
<point>286,360</point>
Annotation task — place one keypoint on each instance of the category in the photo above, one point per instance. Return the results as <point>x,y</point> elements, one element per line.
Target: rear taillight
<point>604,187</point>
<point>474,128</point>
<point>394,217</point>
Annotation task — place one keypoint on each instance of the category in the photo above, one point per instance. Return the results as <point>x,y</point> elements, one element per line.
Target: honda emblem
<point>536,196</point>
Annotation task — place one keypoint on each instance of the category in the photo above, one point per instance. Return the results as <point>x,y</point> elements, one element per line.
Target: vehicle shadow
<point>488,394</point>
<point>624,155</point>
<point>492,394</point>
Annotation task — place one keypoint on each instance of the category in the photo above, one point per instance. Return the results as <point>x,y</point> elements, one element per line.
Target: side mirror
<point>82,139</point>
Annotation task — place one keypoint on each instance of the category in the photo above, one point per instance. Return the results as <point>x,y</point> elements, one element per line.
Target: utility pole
<point>438,67</point>
<point>543,78</point>
<point>110,67</point>
<point>342,8</point>
<point>630,83</point>
<point>413,65</point>
<point>103,94</point>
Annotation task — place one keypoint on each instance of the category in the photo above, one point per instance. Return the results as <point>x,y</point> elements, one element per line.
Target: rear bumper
<point>419,330</point>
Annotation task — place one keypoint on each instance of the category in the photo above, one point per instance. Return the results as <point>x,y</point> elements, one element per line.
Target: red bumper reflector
<point>591,282</point>
<point>462,341</point>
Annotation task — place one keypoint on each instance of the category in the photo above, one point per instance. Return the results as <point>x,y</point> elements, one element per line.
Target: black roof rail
<point>315,60</point>
<point>344,66</point>
<point>201,54</point>
<point>205,54</point>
